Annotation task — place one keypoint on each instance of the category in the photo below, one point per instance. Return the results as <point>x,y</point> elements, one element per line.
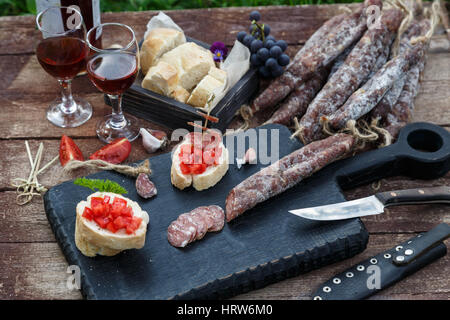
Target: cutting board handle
<point>421,151</point>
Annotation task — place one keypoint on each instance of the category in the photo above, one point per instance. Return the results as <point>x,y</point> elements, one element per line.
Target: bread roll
<point>162,79</point>
<point>158,42</point>
<point>202,92</point>
<point>218,74</point>
<point>192,62</point>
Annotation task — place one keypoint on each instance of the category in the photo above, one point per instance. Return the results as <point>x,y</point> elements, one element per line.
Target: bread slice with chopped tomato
<point>92,238</point>
<point>201,180</point>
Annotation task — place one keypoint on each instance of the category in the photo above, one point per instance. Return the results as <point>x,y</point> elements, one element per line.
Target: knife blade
<point>375,204</point>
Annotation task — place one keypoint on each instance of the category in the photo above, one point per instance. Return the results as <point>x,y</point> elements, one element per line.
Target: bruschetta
<point>108,223</point>
<point>199,160</point>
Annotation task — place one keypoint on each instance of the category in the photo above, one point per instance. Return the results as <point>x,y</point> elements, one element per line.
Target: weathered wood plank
<point>38,271</point>
<point>297,24</point>
<point>24,110</point>
<point>15,160</point>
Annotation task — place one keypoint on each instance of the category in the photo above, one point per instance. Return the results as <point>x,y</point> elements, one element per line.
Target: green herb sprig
<point>100,185</point>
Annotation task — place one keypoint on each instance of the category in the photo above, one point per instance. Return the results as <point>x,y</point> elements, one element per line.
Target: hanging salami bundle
<point>366,98</point>
<point>317,55</point>
<point>356,68</point>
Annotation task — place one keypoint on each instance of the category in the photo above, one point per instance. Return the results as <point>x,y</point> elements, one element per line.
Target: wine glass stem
<point>118,120</point>
<point>68,106</point>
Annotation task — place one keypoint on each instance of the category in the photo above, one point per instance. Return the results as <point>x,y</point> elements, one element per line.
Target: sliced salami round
<point>218,215</point>
<point>201,221</point>
<point>177,234</point>
<point>188,223</point>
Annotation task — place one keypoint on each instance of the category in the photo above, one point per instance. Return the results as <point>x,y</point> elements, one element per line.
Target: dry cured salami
<point>297,102</point>
<point>384,107</point>
<point>195,224</point>
<point>356,68</point>
<point>367,97</point>
<point>286,172</point>
<point>317,56</point>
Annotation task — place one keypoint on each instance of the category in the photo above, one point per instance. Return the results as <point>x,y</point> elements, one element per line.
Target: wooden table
<point>32,265</point>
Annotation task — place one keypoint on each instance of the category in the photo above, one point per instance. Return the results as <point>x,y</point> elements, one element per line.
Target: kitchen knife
<point>375,204</point>
<point>382,270</point>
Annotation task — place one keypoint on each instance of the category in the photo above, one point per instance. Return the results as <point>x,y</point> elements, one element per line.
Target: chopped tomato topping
<point>134,225</point>
<point>112,216</point>
<point>87,213</point>
<point>196,157</point>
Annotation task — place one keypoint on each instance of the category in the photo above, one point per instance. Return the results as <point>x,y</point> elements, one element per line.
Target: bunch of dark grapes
<point>267,53</point>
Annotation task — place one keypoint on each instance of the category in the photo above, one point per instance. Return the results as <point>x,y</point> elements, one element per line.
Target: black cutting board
<point>265,245</point>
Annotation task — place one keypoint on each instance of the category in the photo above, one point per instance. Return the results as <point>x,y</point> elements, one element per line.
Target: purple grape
<point>253,28</point>
<point>255,60</point>
<point>271,63</point>
<point>283,60</point>
<point>264,72</point>
<point>270,38</point>
<point>255,15</point>
<point>263,54</point>
<point>282,44</point>
<point>269,43</point>
<point>266,29</point>
<point>275,51</point>
<point>248,40</point>
<point>277,71</point>
<point>241,35</point>
<point>255,45</point>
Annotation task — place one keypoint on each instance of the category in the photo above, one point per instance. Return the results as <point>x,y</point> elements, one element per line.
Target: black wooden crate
<point>172,114</point>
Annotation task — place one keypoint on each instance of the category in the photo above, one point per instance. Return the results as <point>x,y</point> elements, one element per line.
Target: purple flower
<point>219,51</point>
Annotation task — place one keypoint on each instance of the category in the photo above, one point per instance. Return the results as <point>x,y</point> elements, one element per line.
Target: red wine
<point>112,73</point>
<point>62,57</point>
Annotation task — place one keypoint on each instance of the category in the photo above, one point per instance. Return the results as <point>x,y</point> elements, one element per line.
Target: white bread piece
<point>192,62</point>
<point>158,42</point>
<point>205,180</point>
<point>91,239</point>
<point>180,94</point>
<point>218,74</point>
<point>203,91</point>
<point>162,79</point>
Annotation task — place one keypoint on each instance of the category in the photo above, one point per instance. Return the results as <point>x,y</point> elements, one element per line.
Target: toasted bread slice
<point>91,239</point>
<point>205,180</point>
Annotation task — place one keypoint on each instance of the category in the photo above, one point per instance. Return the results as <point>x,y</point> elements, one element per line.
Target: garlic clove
<point>150,143</point>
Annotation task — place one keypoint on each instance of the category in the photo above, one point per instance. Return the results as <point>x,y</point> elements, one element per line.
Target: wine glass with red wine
<point>113,70</point>
<point>62,53</point>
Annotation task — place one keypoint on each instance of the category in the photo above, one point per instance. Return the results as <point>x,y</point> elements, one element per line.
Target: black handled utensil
<point>375,204</point>
<point>373,275</point>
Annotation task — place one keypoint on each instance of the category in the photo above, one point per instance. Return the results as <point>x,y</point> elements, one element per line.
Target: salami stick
<point>286,172</point>
<point>386,104</point>
<point>297,102</point>
<point>367,97</point>
<point>317,56</point>
<point>318,36</point>
<point>356,68</point>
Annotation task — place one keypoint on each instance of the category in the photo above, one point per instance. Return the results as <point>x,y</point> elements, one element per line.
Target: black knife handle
<point>430,239</point>
<point>360,281</point>
<point>415,196</point>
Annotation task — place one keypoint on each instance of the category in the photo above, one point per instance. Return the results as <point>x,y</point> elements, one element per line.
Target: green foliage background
<point>21,7</point>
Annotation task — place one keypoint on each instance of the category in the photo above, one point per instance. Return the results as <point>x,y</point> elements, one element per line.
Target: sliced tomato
<point>115,152</point>
<point>117,206</point>
<point>134,225</point>
<point>127,212</point>
<point>106,199</point>
<point>102,222</point>
<point>185,168</point>
<point>68,150</point>
<point>87,213</point>
<point>111,227</point>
